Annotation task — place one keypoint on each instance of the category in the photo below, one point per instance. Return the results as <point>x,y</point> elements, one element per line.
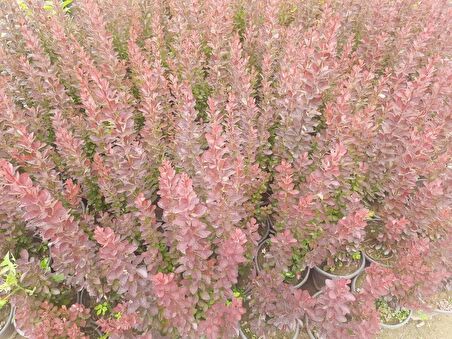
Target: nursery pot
<point>440,311</point>
<point>295,335</point>
<point>93,330</point>
<point>436,307</point>
<point>304,274</point>
<point>83,298</point>
<point>7,329</point>
<point>372,260</point>
<point>319,275</point>
<point>396,326</point>
<point>355,287</point>
<point>355,282</point>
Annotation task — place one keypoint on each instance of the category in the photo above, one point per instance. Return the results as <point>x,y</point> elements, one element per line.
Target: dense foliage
<point>145,145</point>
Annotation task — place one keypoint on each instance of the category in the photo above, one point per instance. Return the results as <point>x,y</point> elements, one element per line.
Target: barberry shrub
<point>144,145</point>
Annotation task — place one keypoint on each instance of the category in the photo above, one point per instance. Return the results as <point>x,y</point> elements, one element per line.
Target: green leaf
<point>66,3</point>
<point>356,255</point>
<point>45,264</point>
<point>3,302</point>
<point>102,309</point>
<point>58,277</point>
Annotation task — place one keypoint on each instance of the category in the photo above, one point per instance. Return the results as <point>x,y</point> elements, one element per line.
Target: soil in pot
<point>312,331</point>
<point>442,301</point>
<point>261,261</point>
<point>295,278</point>
<point>343,267</point>
<point>391,313</point>
<point>374,250</point>
<point>378,254</point>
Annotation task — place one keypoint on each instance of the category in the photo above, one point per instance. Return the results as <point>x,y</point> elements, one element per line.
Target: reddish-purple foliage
<point>72,251</point>
<point>146,143</point>
<point>44,320</point>
<point>222,320</point>
<point>332,306</point>
<point>121,324</point>
<point>276,306</point>
<point>176,303</point>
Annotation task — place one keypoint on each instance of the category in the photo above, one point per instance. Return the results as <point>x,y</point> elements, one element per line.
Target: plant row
<point>179,168</point>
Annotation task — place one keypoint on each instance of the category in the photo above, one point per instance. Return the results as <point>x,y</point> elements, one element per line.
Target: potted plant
<point>50,293</point>
<point>375,288</point>
<point>442,302</point>
<point>382,239</point>
<point>277,253</point>
<point>274,309</point>
<point>14,281</point>
<point>392,315</point>
<point>354,111</point>
<point>339,248</point>
<point>322,213</point>
<point>199,291</point>
<point>332,311</point>
<point>421,270</point>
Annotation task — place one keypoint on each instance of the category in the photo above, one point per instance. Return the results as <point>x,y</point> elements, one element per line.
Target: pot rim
<point>383,325</point>
<point>354,281</point>
<point>371,260</point>
<point>348,276</point>
<point>268,225</point>
<point>8,321</point>
<point>396,326</point>
<point>439,311</point>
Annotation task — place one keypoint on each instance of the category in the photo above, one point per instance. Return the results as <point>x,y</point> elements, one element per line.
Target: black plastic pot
<point>8,329</point>
<point>319,276</point>
<point>265,227</point>
<point>82,297</point>
<point>94,328</point>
